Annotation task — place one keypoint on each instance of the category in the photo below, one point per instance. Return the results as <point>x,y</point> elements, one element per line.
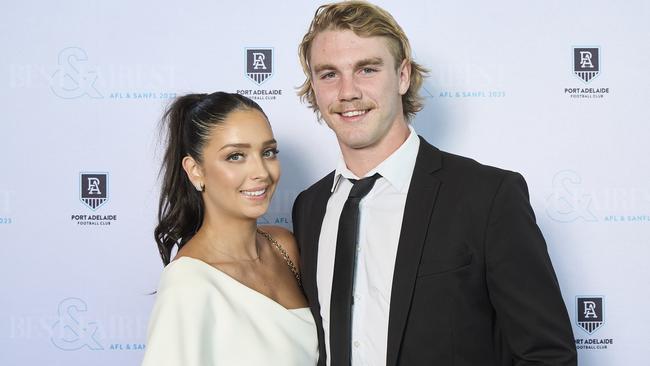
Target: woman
<point>232,294</point>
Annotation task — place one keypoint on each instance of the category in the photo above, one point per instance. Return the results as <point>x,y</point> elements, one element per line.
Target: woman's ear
<point>194,173</point>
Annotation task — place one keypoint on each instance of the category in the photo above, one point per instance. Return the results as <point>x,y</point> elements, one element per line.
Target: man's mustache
<point>351,106</point>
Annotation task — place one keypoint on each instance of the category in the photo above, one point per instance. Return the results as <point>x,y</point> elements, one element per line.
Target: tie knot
<point>361,187</point>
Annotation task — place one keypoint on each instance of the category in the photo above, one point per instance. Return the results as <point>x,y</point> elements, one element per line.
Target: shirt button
<point>356,344</point>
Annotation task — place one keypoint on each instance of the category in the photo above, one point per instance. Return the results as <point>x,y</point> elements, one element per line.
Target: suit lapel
<point>420,200</point>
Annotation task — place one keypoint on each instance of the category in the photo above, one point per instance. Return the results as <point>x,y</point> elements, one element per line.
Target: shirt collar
<point>396,169</point>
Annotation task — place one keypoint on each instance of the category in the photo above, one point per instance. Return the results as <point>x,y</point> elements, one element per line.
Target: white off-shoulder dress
<point>204,317</point>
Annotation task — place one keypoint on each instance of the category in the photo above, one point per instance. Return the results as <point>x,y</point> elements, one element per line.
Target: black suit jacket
<point>473,282</point>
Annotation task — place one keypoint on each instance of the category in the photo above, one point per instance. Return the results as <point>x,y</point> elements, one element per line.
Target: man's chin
<point>354,143</point>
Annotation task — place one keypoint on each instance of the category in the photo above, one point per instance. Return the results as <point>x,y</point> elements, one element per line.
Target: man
<point>441,263</point>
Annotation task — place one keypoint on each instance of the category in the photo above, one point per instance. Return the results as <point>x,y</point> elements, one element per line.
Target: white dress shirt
<point>380,222</point>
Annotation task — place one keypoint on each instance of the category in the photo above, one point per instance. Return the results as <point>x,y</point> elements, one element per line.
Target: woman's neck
<point>220,239</point>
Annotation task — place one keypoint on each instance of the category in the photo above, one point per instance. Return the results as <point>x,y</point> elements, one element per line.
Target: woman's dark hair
<point>188,122</point>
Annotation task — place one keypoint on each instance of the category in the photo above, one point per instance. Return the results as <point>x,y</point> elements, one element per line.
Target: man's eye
<point>368,70</point>
<point>328,75</point>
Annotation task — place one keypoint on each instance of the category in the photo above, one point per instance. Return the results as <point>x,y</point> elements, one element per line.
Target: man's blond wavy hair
<point>365,20</point>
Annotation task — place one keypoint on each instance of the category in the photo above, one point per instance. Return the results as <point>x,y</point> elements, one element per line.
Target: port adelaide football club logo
<point>586,63</point>
<point>590,313</point>
<point>590,317</point>
<point>259,64</point>
<point>93,189</point>
<point>586,67</point>
<point>259,69</point>
<point>93,194</point>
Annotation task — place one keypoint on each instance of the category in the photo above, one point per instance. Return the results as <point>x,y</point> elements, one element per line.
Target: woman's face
<point>240,168</point>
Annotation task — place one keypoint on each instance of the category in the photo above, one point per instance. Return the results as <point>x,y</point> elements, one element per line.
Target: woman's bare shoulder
<point>285,238</point>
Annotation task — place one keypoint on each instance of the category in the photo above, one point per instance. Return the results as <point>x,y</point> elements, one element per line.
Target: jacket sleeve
<point>522,284</point>
<point>296,219</point>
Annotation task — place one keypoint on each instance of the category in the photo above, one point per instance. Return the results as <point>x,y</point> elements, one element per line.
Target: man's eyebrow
<point>372,61</point>
<point>321,67</point>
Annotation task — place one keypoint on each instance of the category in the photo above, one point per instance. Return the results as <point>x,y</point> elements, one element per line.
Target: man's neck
<point>361,161</point>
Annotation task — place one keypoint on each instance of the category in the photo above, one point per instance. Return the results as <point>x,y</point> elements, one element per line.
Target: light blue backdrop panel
<point>83,85</point>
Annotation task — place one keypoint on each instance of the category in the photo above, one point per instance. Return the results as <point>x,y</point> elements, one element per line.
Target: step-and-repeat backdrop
<point>557,90</point>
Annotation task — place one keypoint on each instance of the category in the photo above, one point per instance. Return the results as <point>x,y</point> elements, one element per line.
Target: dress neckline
<point>234,281</point>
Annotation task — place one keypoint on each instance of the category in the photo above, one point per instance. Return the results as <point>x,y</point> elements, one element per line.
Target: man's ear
<point>404,74</point>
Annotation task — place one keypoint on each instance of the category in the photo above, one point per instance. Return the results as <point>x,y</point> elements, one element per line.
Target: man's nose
<point>348,89</point>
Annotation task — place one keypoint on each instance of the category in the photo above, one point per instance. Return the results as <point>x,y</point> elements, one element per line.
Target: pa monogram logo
<point>586,62</point>
<point>93,189</point>
<point>259,64</point>
<point>589,313</point>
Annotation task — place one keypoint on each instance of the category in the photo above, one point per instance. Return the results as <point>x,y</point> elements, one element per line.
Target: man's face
<point>358,88</point>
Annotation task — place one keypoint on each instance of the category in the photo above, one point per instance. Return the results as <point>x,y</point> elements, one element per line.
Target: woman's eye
<point>271,153</point>
<point>235,157</point>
